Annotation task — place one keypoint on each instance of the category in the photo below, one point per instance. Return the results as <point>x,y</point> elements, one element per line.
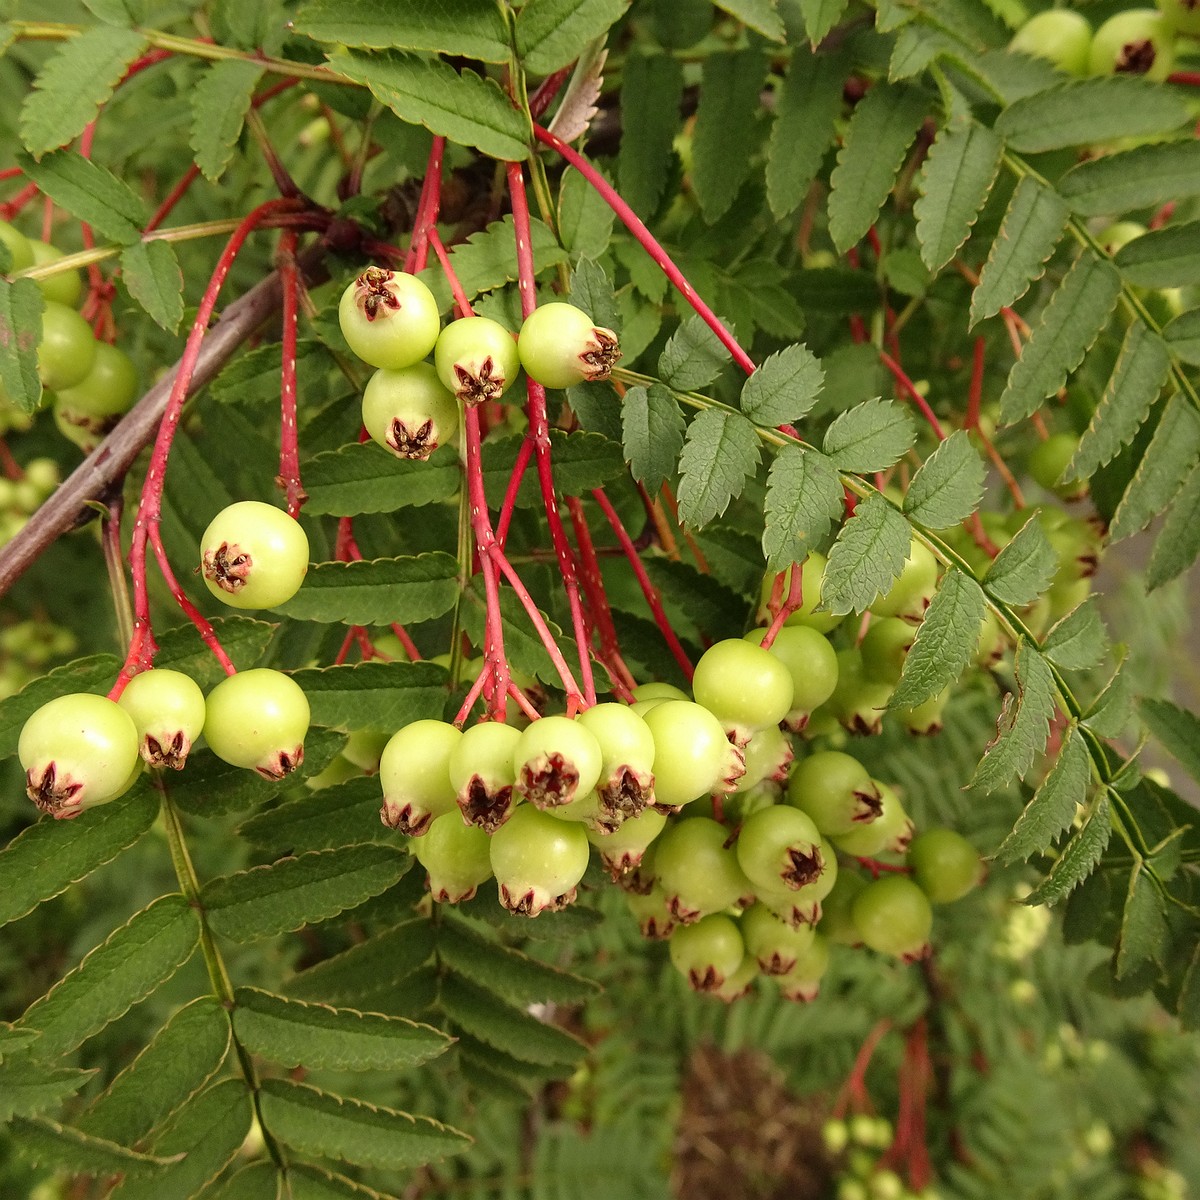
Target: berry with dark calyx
<point>1137,41</point>
<point>67,349</point>
<point>389,318</point>
<point>692,756</point>
<point>836,791</point>
<point>945,865</point>
<point>476,359</point>
<point>258,719</point>
<point>652,911</point>
<point>812,661</point>
<point>622,850</point>
<point>804,905</point>
<point>744,686</point>
<point>909,596</point>
<point>697,870</point>
<point>776,946</point>
<point>892,916</point>
<point>456,857</point>
<point>889,834</point>
<point>1059,35</point>
<point>168,709</point>
<point>560,347</point>
<point>253,555</point>
<point>837,920</point>
<point>1182,15</point>
<point>626,783</point>
<point>885,648</point>
<point>408,412</point>
<point>64,286</point>
<point>77,751</point>
<point>19,248</point>
<point>537,861</point>
<point>87,412</point>
<point>740,982</point>
<point>556,760</point>
<point>858,702</point>
<point>925,719</point>
<point>707,952</point>
<point>803,982</point>
<point>414,771</point>
<point>812,572</point>
<point>779,847</point>
<point>768,755</point>
<point>1118,235</point>
<point>482,774</point>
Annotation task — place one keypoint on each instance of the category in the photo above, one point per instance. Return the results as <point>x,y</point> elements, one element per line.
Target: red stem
<point>173,197</point>
<point>456,287</point>
<point>410,647</point>
<point>427,209</point>
<point>854,1085</point>
<point>795,598</point>
<point>289,444</point>
<point>975,394</point>
<point>18,202</point>
<point>514,486</point>
<point>909,388</point>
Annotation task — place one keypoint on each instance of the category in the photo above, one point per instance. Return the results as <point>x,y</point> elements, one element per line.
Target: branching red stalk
<point>10,209</point>
<point>289,444</point>
<point>854,1089</point>
<point>795,598</point>
<point>514,486</point>
<point>476,690</point>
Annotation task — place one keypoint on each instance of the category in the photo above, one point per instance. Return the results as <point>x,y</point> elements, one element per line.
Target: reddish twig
<point>289,446</point>
<point>909,388</point>
<point>427,208</point>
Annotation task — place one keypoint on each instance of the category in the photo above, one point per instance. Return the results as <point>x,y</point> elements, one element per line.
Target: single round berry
<point>253,555</point>
<point>64,286</point>
<point>912,591</point>
<point>651,909</point>
<point>482,774</point>
<point>556,760</point>
<point>858,702</point>
<point>658,691</point>
<point>476,359</point>
<point>744,686</point>
<point>692,756</point>
<point>626,783</point>
<point>812,662</point>
<point>389,318</point>
<point>408,411</point>
<point>560,347</point>
<point>19,249</point>
<point>168,709</point>
<point>414,771</point>
<point>1137,41</point>
<point>925,719</point>
<point>708,952</point>
<point>623,849</point>
<point>1048,461</point>
<point>803,981</point>
<point>77,751</point>
<point>837,921</point>
<point>740,982</point>
<point>537,861</point>
<point>775,945</point>
<point>804,905</point>
<point>1058,35</point>
<point>87,412</point>
<point>1182,15</point>
<point>885,648</point>
<point>258,719</point>
<point>67,349</point>
<point>456,857</point>
<point>836,791</point>
<point>780,847</point>
<point>889,833</point>
<point>697,870</point>
<point>892,916</point>
<point>945,865</point>
<point>768,756</point>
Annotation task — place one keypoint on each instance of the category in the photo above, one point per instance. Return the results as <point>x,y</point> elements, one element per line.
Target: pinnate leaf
<point>29,1087</point>
<point>373,695</point>
<point>948,486</point>
<point>651,88</point>
<point>1143,924</point>
<point>820,16</point>
<point>377,591</point>
<point>871,436</point>
<point>867,557</point>
<point>343,815</point>
<point>1143,177</point>
<point>20,332</point>
<point>693,357</point>
<point>1079,856</point>
<point>90,192</point>
<point>46,1143</point>
<point>551,33</point>
<point>759,15</point>
<point>804,498</point>
<point>380,961</point>
<point>1182,334</point>
<point>1022,571</point>
<point>652,426</point>
<point>1024,723</point>
<point>1178,729</point>
<point>720,453</point>
<point>784,388</point>
<point>471,28</point>
<point>1163,258</point>
<point>1078,642</point>
<point>364,478</point>
<point>1178,541</point>
<point>220,102</point>
<point>1053,806</point>
<point>152,275</point>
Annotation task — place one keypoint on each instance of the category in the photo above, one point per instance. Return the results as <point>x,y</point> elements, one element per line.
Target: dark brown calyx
<point>52,793</point>
<point>868,806</point>
<point>801,868</point>
<point>480,385</point>
<point>374,296</point>
<point>403,817</point>
<point>487,809</point>
<point>281,764</point>
<point>656,928</point>
<point>1136,58</point>
<point>228,566</point>
<point>417,443</point>
<point>707,980</point>
<point>777,964</point>
<point>549,781</point>
<point>625,795</point>
<point>681,912</point>
<point>600,355</point>
<point>171,752</point>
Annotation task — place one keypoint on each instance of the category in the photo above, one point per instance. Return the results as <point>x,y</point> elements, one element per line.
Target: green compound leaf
<point>379,962</point>
<point>784,388</point>
<point>759,15</point>
<point>485,1016</point>
<point>651,89</point>
<point>1085,111</point>
<point>804,498</point>
<point>730,90</point>
<point>1167,462</point>
<point>182,1057</point>
<point>1032,225</point>
<point>29,1087</point>
<point>948,486</point>
<point>144,952</point>
<point>551,33</point>
<point>21,304</point>
<point>1163,258</point>
<point>1024,723</point>
<point>1069,324</point>
<point>1054,804</point>
<point>1141,371</point>
<point>343,815</point>
<point>806,107</point>
<point>45,1143</point>
<point>719,455</point>
<point>1079,857</point>
<point>1182,335</point>
<point>364,478</point>
<point>1177,729</point>
<point>585,224</point>
<point>208,1132</point>
<point>152,275</point>
<point>471,28</point>
<point>945,643</point>
<point>459,105</point>
<point>867,557</point>
<point>881,130</point>
<point>89,192</point>
<point>46,858</point>
<point>1144,177</point>
<point>285,895</point>
<point>511,974</point>
<point>1023,569</point>
<point>1112,710</point>
<point>75,81</point>
<point>1178,541</point>
<point>693,357</point>
<point>954,183</point>
<point>1078,642</point>
<point>373,695</point>
<point>1144,931</point>
<point>220,102</point>
<point>316,1122</point>
<point>244,638</point>
<point>313,1183</point>
<point>871,436</point>
<point>316,1036</point>
<point>377,591</point>
<point>652,427</point>
<point>820,16</point>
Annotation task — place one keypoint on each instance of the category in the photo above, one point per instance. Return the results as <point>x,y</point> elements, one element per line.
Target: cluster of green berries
<point>410,406</point>
<point>21,498</point>
<point>856,1143</point>
<point>90,384</point>
<point>27,648</point>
